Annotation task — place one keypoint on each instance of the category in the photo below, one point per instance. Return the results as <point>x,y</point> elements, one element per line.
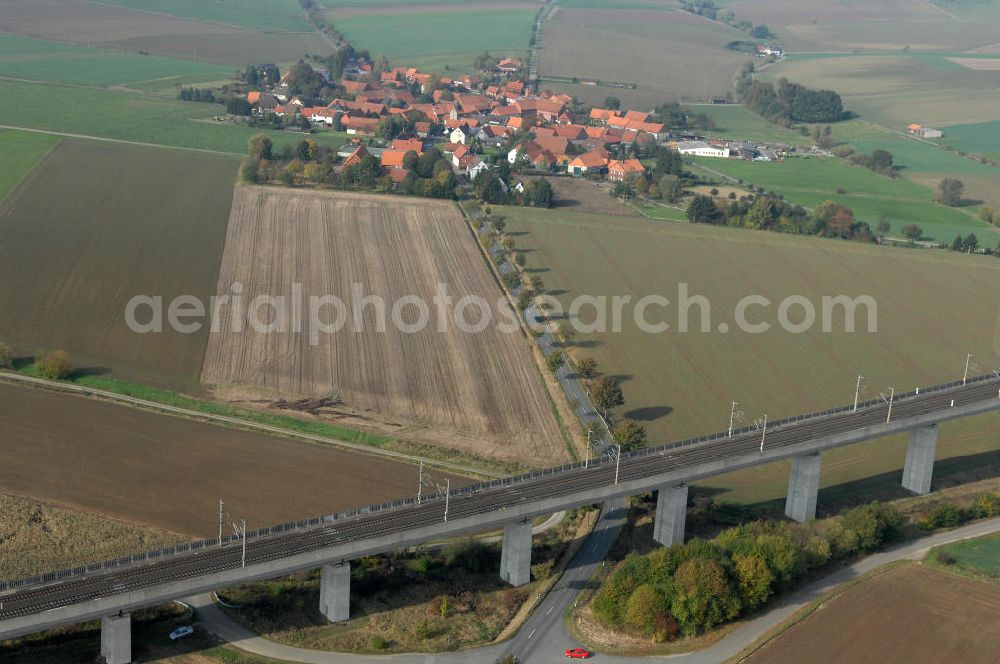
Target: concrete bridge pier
<point>335,592</point>
<point>515,557</point>
<point>919,465</point>
<point>116,638</point>
<point>671,513</point>
<point>803,487</point>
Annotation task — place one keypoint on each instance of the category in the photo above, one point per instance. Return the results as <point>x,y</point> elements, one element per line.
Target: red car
<point>577,653</point>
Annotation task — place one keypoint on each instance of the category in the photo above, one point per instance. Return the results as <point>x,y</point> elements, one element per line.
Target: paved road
<point>543,637</point>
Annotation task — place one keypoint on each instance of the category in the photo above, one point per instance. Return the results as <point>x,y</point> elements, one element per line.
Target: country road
<point>543,637</point>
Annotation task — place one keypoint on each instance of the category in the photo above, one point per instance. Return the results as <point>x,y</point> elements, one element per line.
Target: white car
<point>181,632</point>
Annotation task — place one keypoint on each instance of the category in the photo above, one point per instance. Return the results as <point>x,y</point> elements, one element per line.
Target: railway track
<point>644,465</point>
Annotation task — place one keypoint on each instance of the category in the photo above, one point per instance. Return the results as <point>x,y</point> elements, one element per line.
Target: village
<point>478,122</point>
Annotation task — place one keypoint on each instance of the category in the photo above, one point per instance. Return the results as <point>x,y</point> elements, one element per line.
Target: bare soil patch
<point>910,613</point>
<point>170,472</point>
<point>432,383</point>
<point>577,195</point>
<point>978,64</point>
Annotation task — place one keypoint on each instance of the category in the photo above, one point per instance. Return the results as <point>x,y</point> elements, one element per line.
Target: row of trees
<point>790,102</point>
<point>687,589</point>
<point>710,10</point>
<point>489,188</point>
<point>430,174</point>
<point>772,213</point>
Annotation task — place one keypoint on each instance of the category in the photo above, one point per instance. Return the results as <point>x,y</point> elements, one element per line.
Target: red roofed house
<point>356,156</point>
<point>594,161</point>
<point>393,159</point>
<point>354,87</point>
<point>253,97</point>
<point>406,144</point>
<point>602,115</point>
<point>619,170</point>
<point>509,65</point>
<point>360,125</point>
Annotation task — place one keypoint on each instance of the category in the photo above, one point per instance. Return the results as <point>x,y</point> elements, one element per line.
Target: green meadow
<point>811,181</point>
<point>20,152</point>
<point>405,38</point>
<point>131,117</point>
<point>38,60</point>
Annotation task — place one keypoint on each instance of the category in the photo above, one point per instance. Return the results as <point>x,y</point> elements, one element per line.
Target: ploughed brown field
<point>477,391</point>
<point>911,614</point>
<point>170,472</point>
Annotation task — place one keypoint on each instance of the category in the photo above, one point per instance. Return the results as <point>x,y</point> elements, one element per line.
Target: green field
<point>811,181</point>
<point>933,308</point>
<point>982,138</point>
<point>132,117</point>
<point>20,152</point>
<point>736,122</point>
<point>96,224</point>
<point>977,557</point>
<point>896,89</point>
<point>406,38</point>
<point>269,15</point>
<point>38,60</point>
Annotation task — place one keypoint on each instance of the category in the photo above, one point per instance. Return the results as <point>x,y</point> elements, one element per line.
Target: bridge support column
<point>335,592</point>
<point>116,638</point>
<point>919,465</point>
<point>803,486</point>
<point>515,557</point>
<point>671,512</point>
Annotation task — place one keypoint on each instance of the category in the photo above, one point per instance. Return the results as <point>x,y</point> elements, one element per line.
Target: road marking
<point>531,635</point>
<point>550,610</point>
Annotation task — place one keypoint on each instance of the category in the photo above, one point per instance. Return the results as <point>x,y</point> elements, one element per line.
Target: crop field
<point>20,152</point>
<point>270,15</point>
<point>117,27</point>
<point>413,35</point>
<point>483,387</point>
<point>38,60</point>
<point>897,89</point>
<point>170,473</point>
<point>855,25</point>
<point>671,55</point>
<point>909,613</point>
<point>97,224</point>
<point>933,308</point>
<point>810,182</point>
<point>130,117</point>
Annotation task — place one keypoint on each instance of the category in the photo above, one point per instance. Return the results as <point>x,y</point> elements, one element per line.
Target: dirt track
<point>479,392</point>
<point>170,472</point>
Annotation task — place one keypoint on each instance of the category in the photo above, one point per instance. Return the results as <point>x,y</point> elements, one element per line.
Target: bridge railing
<point>189,548</point>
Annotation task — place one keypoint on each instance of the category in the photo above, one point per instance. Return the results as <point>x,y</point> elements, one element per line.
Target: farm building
<point>701,149</point>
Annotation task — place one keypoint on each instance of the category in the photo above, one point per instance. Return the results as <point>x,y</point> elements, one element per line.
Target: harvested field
<point>97,24</point>
<point>95,225</point>
<point>477,391</point>
<point>933,308</point>
<point>910,613</point>
<point>671,55</point>
<point>979,64</point>
<point>170,473</point>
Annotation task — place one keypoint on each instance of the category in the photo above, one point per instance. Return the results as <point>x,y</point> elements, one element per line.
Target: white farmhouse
<point>701,149</point>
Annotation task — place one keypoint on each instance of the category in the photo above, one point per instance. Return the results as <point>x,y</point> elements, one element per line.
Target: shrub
<point>55,365</point>
<point>377,642</point>
<point>873,524</point>
<point>703,596</point>
<point>471,555</point>
<point>642,609</point>
<point>754,579</point>
<point>944,515</point>
<point>6,356</point>
<point>986,506</point>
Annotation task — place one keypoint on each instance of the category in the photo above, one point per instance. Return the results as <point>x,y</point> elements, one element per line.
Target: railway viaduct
<point>109,591</point>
